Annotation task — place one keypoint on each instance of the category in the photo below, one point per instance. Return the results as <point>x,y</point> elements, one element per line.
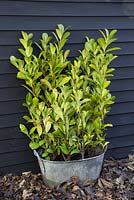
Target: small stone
<point>131,157</point>
<point>75,188</point>
<point>22,183</point>
<point>131,180</point>
<point>73,196</point>
<point>106,183</point>
<point>88,190</point>
<point>26,173</point>
<point>26,194</point>
<point>82,193</point>
<point>99,194</point>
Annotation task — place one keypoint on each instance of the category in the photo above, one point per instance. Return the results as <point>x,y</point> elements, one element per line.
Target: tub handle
<point>42,166</point>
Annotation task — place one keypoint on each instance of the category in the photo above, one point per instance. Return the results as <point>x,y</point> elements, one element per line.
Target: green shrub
<point>67,102</point>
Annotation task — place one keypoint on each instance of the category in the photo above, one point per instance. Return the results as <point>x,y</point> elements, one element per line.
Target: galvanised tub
<point>57,172</point>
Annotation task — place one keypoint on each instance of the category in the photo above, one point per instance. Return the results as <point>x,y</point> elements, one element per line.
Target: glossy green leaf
<point>30,35</point>
<point>46,83</point>
<point>32,130</point>
<point>23,129</point>
<point>41,142</point>
<point>25,35</point>
<point>64,81</point>
<point>41,106</point>
<point>45,154</point>
<point>27,118</point>
<point>28,98</point>
<point>59,33</point>
<point>29,51</point>
<point>47,126</point>
<point>21,75</point>
<point>23,42</point>
<point>49,150</point>
<point>58,111</point>
<point>39,129</point>
<point>75,151</point>
<point>34,145</point>
<point>112,49</point>
<point>64,149</point>
<point>13,61</point>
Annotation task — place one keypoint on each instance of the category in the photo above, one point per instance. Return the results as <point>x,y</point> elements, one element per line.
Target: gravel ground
<point>116,183</point>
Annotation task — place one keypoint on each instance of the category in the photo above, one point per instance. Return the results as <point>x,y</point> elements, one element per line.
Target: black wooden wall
<point>84,17</point>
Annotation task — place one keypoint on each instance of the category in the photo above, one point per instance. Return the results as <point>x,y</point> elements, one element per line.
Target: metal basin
<point>57,172</point>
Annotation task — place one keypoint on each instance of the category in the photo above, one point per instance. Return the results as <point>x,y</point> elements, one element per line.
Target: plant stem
<point>82,153</point>
<point>64,157</point>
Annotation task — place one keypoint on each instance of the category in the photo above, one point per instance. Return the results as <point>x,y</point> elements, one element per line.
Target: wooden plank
<point>21,8</point>
<point>120,142</point>
<point>14,145</point>
<point>76,23</point>
<point>22,144</point>
<point>10,80</point>
<point>11,133</point>
<point>122,130</point>
<point>10,107</point>
<point>19,168</point>
<point>14,132</point>
<point>122,61</point>
<point>81,1</point>
<point>122,85</point>
<point>126,48</point>
<point>12,37</point>
<point>119,108</point>
<point>6,67</point>
<point>7,51</point>
<point>123,73</point>
<point>120,72</point>
<point>15,158</point>
<point>11,120</point>
<point>120,152</point>
<point>10,94</point>
<point>121,119</point>
<point>15,119</point>
<point>116,131</point>
<point>123,96</point>
<point>16,93</point>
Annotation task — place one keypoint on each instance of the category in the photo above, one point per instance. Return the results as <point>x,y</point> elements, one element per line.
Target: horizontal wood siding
<point>84,18</point>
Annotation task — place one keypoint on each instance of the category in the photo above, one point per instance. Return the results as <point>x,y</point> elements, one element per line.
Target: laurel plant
<point>67,102</point>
